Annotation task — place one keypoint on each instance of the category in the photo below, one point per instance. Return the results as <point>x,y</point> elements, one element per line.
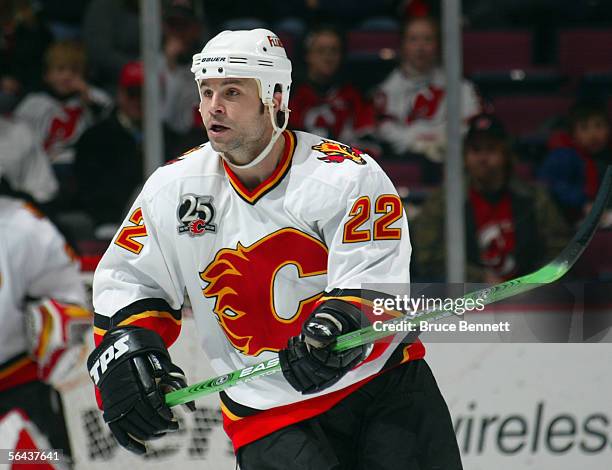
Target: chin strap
<point>264,153</point>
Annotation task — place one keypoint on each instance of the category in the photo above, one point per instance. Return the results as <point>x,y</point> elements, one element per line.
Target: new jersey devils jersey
<point>255,262</point>
<point>412,107</point>
<point>58,124</point>
<point>340,112</point>
<point>35,262</point>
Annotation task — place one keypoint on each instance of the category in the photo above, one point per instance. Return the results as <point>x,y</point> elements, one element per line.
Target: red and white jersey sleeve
<point>136,283</point>
<point>35,262</point>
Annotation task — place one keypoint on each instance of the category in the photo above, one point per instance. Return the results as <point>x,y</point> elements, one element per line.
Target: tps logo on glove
<point>115,351</point>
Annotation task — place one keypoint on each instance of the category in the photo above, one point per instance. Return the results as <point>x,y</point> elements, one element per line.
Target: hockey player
<point>42,316</point>
<point>272,234</point>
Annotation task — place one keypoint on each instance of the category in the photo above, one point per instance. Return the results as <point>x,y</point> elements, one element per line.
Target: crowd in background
<point>71,136</point>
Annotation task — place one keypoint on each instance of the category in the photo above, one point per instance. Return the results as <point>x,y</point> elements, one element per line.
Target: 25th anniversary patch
<point>196,215</point>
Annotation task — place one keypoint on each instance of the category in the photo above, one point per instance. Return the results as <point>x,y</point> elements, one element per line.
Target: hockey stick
<point>545,275</point>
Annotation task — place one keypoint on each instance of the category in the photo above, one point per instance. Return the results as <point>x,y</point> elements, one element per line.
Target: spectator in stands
<point>24,37</point>
<point>323,103</point>
<point>63,110</point>
<point>511,227</point>
<point>577,160</point>
<point>411,102</point>
<point>182,39</point>
<point>111,31</point>
<point>108,162</point>
<point>23,162</point>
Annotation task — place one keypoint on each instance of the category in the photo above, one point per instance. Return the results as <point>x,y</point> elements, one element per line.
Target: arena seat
<point>371,41</point>
<point>371,55</point>
<point>367,70</point>
<point>380,23</point>
<point>402,174</point>
<point>500,50</point>
<point>532,80</point>
<point>523,115</point>
<point>584,51</point>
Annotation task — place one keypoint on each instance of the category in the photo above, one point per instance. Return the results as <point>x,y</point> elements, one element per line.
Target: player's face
<point>420,46</point>
<point>592,134</point>
<point>324,55</point>
<point>233,115</point>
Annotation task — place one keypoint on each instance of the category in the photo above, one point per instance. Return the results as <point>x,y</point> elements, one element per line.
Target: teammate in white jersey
<point>272,234</point>
<point>42,316</point>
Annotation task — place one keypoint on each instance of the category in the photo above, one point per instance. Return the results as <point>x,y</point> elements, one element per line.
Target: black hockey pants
<point>397,421</point>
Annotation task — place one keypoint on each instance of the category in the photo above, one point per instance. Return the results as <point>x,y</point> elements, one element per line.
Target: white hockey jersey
<point>57,125</point>
<point>255,263</point>
<point>412,111</point>
<point>35,262</point>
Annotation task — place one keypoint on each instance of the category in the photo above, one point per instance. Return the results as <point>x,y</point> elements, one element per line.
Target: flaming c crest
<point>338,153</point>
<point>242,282</point>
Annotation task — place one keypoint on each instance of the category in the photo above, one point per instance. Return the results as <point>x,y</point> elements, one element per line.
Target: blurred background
<point>536,97</point>
<point>536,104</point>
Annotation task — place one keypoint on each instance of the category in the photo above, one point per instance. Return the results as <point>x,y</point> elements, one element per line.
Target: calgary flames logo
<point>242,281</point>
<point>338,153</point>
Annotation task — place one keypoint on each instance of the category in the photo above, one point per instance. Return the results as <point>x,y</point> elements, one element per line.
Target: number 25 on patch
<point>390,208</point>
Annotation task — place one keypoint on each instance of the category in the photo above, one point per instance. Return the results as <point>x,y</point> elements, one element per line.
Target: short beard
<point>239,148</point>
<point>248,148</point>
<point>228,148</point>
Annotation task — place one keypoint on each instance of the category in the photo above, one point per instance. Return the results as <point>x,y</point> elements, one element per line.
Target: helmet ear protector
<point>257,54</point>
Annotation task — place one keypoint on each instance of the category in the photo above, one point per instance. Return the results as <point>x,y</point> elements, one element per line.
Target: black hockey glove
<point>308,363</point>
<point>133,370</point>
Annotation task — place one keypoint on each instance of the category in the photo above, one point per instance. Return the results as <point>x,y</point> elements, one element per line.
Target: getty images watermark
<point>412,307</point>
<point>560,312</point>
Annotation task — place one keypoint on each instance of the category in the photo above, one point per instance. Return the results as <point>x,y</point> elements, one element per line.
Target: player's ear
<point>277,98</point>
